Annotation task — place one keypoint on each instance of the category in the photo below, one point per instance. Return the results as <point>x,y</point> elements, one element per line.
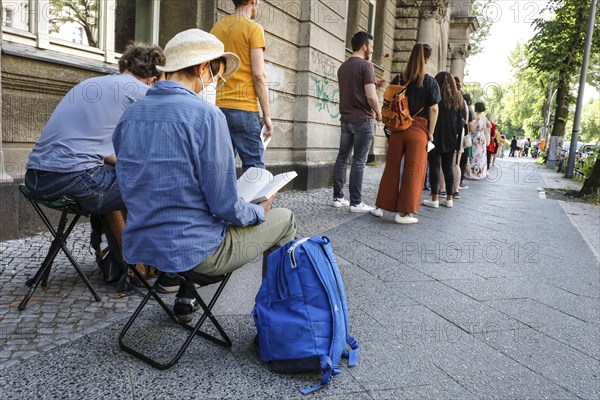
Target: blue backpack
<point>301,314</point>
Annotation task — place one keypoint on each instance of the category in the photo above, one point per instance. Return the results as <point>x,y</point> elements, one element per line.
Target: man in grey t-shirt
<point>74,156</point>
<point>358,102</point>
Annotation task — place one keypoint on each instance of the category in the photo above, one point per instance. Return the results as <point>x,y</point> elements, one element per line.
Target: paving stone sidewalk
<point>65,310</point>
<point>497,298</point>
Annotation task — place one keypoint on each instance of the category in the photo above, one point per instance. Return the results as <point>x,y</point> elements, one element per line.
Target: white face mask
<point>209,92</point>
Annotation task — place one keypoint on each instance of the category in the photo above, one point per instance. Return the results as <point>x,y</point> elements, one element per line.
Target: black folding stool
<point>66,205</point>
<point>189,280</point>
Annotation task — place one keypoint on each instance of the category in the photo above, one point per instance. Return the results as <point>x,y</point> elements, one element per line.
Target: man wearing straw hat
<point>176,171</point>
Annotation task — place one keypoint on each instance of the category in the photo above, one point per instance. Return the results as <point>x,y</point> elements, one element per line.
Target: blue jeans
<point>244,128</point>
<point>358,137</point>
<point>95,190</point>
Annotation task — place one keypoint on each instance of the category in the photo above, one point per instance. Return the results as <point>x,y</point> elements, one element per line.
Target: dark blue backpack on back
<point>301,314</point>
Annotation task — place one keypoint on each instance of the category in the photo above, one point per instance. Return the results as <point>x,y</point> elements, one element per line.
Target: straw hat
<point>193,47</point>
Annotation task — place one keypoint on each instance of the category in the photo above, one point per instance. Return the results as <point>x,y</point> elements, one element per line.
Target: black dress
<point>448,128</point>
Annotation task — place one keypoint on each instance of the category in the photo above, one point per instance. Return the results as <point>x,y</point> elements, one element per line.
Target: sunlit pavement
<point>498,297</point>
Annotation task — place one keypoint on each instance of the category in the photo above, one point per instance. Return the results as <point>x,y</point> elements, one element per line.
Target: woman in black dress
<point>451,120</point>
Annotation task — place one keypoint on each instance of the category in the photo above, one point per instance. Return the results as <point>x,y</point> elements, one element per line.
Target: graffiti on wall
<point>323,64</point>
<point>326,93</point>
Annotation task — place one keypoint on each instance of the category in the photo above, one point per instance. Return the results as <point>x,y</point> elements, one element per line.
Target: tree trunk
<point>562,110</point>
<point>90,35</point>
<point>591,184</point>
<point>560,121</point>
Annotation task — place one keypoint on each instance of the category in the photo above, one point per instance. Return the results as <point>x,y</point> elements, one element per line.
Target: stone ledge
<point>52,57</point>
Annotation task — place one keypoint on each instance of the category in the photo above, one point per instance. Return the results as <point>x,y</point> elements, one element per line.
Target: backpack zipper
<point>292,248</point>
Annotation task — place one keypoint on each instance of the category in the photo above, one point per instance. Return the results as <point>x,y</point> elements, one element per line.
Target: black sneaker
<point>456,196</point>
<point>185,307</point>
<point>169,284</point>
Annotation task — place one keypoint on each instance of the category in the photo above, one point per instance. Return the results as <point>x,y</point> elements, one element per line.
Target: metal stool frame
<point>223,340</point>
<point>66,206</point>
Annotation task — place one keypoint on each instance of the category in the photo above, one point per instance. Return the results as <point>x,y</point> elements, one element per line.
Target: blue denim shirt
<point>176,173</point>
<point>78,135</point>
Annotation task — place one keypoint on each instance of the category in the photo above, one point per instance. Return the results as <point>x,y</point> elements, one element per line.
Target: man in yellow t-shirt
<point>245,37</point>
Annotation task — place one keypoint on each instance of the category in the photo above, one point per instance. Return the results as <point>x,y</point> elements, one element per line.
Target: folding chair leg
<point>194,330</point>
<point>46,276</point>
<point>34,282</point>
<point>225,341</point>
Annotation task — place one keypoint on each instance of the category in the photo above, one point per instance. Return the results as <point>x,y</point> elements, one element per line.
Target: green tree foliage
<point>522,104</point>
<point>518,105</point>
<point>589,129</point>
<point>557,47</point>
<point>477,38</point>
<point>593,77</point>
<point>82,12</point>
<point>590,122</point>
<point>475,90</point>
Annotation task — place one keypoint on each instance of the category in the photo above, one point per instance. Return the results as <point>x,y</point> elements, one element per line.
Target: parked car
<point>567,145</point>
<point>588,148</point>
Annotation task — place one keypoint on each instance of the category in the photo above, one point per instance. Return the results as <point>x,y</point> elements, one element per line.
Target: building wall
<point>31,89</point>
<point>306,43</point>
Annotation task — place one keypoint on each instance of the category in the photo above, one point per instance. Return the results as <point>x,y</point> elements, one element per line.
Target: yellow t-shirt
<point>239,35</point>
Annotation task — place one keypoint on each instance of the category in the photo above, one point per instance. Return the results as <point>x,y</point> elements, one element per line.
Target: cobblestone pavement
<point>59,313</point>
<point>65,310</point>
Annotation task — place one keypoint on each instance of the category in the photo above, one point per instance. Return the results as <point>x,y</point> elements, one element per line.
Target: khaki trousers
<point>244,244</point>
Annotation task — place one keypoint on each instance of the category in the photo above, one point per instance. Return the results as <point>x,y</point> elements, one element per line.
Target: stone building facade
<point>306,40</point>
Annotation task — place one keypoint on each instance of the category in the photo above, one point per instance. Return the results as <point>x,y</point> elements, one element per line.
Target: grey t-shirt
<point>353,75</point>
<point>78,135</point>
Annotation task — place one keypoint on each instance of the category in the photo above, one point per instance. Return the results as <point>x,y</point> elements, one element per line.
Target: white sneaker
<point>463,187</point>
<point>447,203</point>
<point>361,208</point>
<point>377,212</point>
<point>407,219</point>
<point>431,203</point>
<point>342,202</point>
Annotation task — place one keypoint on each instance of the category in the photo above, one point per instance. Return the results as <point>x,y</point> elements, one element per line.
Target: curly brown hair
<point>141,60</point>
<point>451,97</point>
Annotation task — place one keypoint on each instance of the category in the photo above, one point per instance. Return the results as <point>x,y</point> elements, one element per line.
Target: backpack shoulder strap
<point>420,109</point>
<point>329,365</point>
<point>352,355</point>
